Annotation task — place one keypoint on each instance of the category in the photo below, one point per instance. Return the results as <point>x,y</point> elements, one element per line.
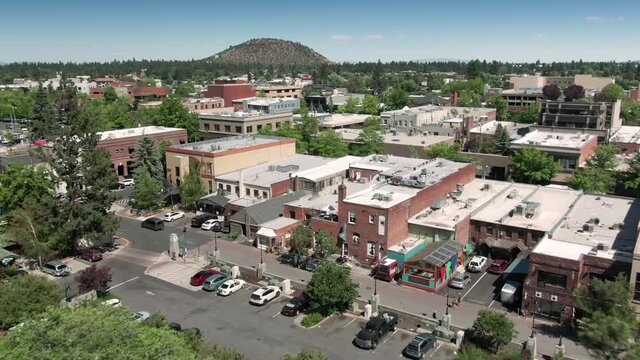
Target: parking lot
<point>484,289</point>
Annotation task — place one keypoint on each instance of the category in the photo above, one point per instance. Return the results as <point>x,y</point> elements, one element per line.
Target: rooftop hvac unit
<point>486,187</point>
<point>438,204</point>
<point>512,194</point>
<point>603,247</point>
<point>587,227</point>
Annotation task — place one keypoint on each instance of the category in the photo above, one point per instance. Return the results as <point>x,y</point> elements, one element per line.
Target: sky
<point>346,30</point>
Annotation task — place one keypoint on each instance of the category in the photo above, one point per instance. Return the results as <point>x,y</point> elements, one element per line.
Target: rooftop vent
<point>486,187</point>
<point>593,251</point>
<point>617,226</point>
<point>438,204</point>
<point>587,228</point>
<point>512,194</point>
<point>594,221</point>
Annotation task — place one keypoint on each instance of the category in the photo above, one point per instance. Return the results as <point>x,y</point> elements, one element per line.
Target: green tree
<point>127,337</point>
<point>20,184</point>
<point>630,113</point>
<point>146,193</point>
<point>164,144</point>
<point>604,158</point>
<point>24,297</point>
<point>148,158</point>
<point>335,80</point>
<point>325,244</point>
<point>469,98</point>
<point>184,89</point>
<point>372,122</point>
<point>446,151</point>
<point>301,240</point>
<point>356,85</point>
<point>8,137</point>
<point>191,187</point>
<point>396,98</point>
<point>28,228</point>
<point>496,326</point>
<point>368,142</point>
<point>370,105</point>
<point>530,165</point>
<point>611,93</point>
<point>470,352</point>
<point>172,113</point>
<point>502,140</point>
<point>94,278</point>
<point>351,106</point>
<point>378,81</point>
<point>527,115</point>
<point>16,103</point>
<point>42,114</point>
<point>331,288</point>
<point>306,354</point>
<point>328,143</point>
<point>592,180</point>
<point>110,94</point>
<point>632,175</point>
<point>148,81</point>
<point>435,82</point>
<point>609,326</point>
<point>500,104</point>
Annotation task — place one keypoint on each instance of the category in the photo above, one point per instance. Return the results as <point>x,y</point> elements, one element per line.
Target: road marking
<point>278,313</point>
<point>349,323</point>
<point>474,285</point>
<point>122,283</point>
<point>435,351</point>
<point>149,293</point>
<point>388,337</point>
<point>492,301</point>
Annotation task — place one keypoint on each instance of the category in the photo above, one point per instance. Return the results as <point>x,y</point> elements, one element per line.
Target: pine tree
<point>148,158</point>
<point>42,114</point>
<point>502,140</point>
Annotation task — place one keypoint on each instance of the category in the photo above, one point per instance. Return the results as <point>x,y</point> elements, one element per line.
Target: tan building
<point>280,91</point>
<point>224,155</point>
<point>588,82</point>
<point>196,105</point>
<point>213,125</point>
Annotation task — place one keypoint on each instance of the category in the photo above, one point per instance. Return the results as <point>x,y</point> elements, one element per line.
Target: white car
<point>127,182</point>
<point>209,224</point>
<point>230,286</point>
<point>174,215</point>
<point>264,295</point>
<point>478,264</point>
<point>112,302</point>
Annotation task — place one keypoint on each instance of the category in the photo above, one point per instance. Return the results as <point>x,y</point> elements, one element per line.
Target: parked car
<point>419,346</point>
<point>127,182</point>
<point>376,329</point>
<point>198,220</point>
<point>174,215</point>
<point>56,268</point>
<point>498,266</point>
<point>312,264</point>
<point>210,224</point>
<point>460,280</point>
<point>230,286</point>
<point>264,295</point>
<point>92,255</point>
<point>142,315</point>
<point>296,305</point>
<point>153,223</point>
<point>213,282</point>
<point>478,264</point>
<point>112,302</point>
<point>199,278</point>
<point>9,260</point>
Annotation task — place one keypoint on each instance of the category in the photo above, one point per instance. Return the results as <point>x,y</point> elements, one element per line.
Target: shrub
<point>234,235</point>
<point>312,319</point>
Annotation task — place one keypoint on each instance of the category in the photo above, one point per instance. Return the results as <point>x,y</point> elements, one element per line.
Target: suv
<point>197,221</point>
<point>264,295</point>
<point>296,305</point>
<point>478,264</point>
<point>419,346</point>
<point>153,223</point>
<point>56,268</point>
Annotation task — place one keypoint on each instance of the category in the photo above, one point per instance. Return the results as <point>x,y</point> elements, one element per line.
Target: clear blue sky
<point>346,30</point>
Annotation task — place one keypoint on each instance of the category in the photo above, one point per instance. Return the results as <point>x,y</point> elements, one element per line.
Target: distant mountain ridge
<point>267,51</point>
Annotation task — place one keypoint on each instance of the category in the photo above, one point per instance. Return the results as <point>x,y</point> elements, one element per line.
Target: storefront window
<point>551,279</point>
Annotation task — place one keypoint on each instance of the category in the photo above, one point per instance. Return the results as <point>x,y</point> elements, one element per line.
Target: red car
<point>91,255</point>
<point>498,266</point>
<point>198,278</point>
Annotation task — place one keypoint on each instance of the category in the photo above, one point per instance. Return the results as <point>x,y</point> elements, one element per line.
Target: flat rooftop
<point>228,143</point>
<point>265,174</point>
<point>382,195</point>
<point>528,207</point>
<point>328,169</point>
<point>561,249</point>
<point>490,127</point>
<point>135,132</point>
<point>399,138</point>
<point>556,140</point>
<point>431,108</point>
<point>338,120</point>
<point>279,223</point>
<point>327,199</point>
<point>264,101</point>
<point>605,220</point>
<point>627,135</point>
<point>239,115</point>
<point>455,209</point>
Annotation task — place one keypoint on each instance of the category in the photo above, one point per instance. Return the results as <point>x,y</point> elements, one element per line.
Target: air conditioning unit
<point>554,297</point>
<point>538,294</point>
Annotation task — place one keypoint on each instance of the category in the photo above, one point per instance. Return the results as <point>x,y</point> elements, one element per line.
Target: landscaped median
<point>311,320</point>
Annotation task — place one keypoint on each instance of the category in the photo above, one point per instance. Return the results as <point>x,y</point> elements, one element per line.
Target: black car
<point>296,305</point>
<point>312,264</point>
<point>198,220</point>
<point>419,346</point>
<point>153,223</point>
<point>175,326</point>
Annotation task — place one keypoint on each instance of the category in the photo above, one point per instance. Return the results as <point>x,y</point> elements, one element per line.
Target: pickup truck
<point>376,329</point>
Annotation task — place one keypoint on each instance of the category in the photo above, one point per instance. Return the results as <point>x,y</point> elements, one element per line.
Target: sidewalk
<point>402,298</point>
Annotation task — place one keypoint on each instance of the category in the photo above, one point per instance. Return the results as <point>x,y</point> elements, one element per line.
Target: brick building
<point>123,143</point>
<point>280,91</point>
<point>215,125</point>
<point>196,105</point>
<point>627,139</point>
<point>229,90</point>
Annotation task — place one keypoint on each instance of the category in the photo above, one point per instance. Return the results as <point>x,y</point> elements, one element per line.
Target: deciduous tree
<point>94,278</point>
<point>368,142</point>
<point>530,165</point>
<point>611,93</point>
<point>331,288</point>
<point>396,98</point>
<point>328,143</point>
<point>172,113</point>
<point>301,240</point>
<point>20,184</point>
<point>351,106</point>
<point>370,105</point>
<point>528,115</point>
<point>573,92</point>
<point>500,104</point>
<point>325,244</point>
<point>551,92</point>
<point>446,151</point>
<point>24,297</point>
<point>632,175</point>
<point>191,188</point>
<point>110,94</point>
<point>497,326</point>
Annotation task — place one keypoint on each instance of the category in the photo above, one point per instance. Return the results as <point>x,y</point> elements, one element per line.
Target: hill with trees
<point>270,52</point>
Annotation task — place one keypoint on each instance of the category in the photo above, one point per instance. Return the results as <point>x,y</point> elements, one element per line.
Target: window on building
<point>277,125</point>
<point>220,186</point>
<point>249,129</point>
<point>206,127</point>
<point>132,150</point>
<point>489,229</point>
<point>371,249</point>
<point>636,288</point>
<point>247,191</point>
<point>239,129</point>
<point>551,279</point>
<point>227,128</point>
<point>237,190</point>
<point>352,217</point>
<point>177,170</point>
<point>256,193</point>
<point>216,127</point>
<point>372,219</point>
<point>292,214</point>
<point>356,238</point>
<point>183,141</point>
<point>229,188</point>
<point>258,127</point>
<point>265,194</point>
<point>382,223</point>
<point>210,186</point>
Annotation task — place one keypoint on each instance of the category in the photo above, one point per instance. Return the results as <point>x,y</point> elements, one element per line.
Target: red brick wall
<point>230,92</point>
<point>331,227</point>
<point>365,173</point>
<point>298,211</point>
<point>588,149</point>
<point>478,231</point>
<point>280,188</point>
<point>462,230</point>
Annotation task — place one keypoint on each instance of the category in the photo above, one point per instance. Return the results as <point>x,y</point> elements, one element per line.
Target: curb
<point>301,316</point>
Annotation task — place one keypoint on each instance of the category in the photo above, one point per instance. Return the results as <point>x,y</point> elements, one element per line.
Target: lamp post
<point>216,230</point>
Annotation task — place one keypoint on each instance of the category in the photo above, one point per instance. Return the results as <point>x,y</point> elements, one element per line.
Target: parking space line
<point>278,313</point>
<point>471,288</point>
<point>122,283</point>
<point>435,351</point>
<point>492,301</point>
<point>350,322</point>
<point>388,337</point>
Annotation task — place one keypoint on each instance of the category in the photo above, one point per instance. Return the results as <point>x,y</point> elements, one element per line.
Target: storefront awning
<point>266,232</point>
<point>504,244</point>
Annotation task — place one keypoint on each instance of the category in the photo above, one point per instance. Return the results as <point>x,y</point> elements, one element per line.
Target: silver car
<point>56,268</point>
<point>459,280</point>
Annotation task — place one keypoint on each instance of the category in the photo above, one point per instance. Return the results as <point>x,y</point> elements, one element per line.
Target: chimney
<point>342,193</point>
<point>454,100</point>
